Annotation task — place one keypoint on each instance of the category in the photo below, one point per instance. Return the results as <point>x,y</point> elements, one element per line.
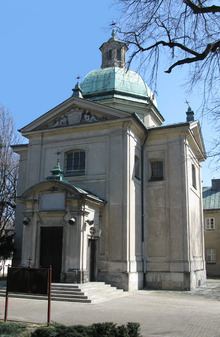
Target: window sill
<point>74,174</point>
<point>155,179</point>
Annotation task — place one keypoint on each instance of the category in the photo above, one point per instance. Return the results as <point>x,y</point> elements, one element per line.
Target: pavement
<point>160,313</point>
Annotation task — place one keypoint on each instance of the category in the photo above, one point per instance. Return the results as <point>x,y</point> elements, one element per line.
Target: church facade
<point>106,192</point>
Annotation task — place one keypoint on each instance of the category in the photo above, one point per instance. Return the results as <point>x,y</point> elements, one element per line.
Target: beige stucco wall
<point>173,236</point>
<point>109,174</point>
<point>212,240</point>
<point>169,255</point>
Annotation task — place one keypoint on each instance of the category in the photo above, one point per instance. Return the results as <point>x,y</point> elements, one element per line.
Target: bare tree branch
<point>8,179</point>
<point>202,9</point>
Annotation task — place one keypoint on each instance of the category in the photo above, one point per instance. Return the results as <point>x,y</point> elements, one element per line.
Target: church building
<point>106,191</point>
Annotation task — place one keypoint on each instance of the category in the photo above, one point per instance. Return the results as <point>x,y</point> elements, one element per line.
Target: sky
<point>46,44</point>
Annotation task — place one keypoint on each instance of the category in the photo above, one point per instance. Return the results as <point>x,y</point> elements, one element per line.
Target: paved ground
<point>160,313</point>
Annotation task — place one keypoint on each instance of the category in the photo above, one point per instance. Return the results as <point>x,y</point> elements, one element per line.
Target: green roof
<point>211,198</point>
<point>114,79</point>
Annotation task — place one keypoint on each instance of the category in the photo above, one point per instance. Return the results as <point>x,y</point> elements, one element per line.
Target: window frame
<point>153,176</point>
<point>194,180</point>
<point>137,167</point>
<point>210,224</point>
<point>211,255</point>
<point>81,170</point>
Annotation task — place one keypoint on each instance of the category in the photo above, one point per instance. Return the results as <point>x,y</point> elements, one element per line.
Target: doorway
<point>51,241</point>
<point>91,260</point>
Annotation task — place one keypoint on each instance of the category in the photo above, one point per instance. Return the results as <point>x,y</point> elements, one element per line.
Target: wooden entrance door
<point>92,260</point>
<point>51,240</point>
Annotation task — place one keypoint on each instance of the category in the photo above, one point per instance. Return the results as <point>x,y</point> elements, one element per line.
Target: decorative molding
<point>75,117</point>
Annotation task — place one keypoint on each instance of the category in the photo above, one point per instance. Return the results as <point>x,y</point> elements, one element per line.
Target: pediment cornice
<point>74,111</point>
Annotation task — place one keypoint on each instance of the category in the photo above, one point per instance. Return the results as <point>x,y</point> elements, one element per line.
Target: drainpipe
<point>142,206</point>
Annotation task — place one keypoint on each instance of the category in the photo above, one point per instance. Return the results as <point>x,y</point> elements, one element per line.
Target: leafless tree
<point>8,179</point>
<point>189,30</point>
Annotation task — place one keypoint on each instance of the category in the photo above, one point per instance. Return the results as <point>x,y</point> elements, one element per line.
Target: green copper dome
<point>114,80</point>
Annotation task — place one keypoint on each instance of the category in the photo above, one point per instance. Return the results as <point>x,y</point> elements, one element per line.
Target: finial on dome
<point>113,33</point>
<point>77,92</point>
<point>189,113</point>
<point>113,24</point>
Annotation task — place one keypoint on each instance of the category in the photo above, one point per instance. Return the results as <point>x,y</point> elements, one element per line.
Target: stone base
<point>175,281</point>
<point>123,280</point>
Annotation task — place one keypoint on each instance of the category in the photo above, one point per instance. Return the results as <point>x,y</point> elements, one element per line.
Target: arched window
<point>74,163</point>
<point>109,54</point>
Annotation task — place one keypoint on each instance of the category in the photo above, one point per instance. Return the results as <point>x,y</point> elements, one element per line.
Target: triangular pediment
<point>197,135</point>
<point>74,111</point>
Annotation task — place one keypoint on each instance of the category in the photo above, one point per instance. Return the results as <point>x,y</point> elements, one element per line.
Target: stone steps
<point>91,292</point>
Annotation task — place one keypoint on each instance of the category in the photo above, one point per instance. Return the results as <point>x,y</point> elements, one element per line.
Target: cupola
<point>113,52</point>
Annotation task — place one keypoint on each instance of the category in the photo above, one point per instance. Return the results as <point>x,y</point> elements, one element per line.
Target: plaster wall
<point>212,240</point>
<point>109,173</point>
<point>168,223</point>
<point>195,221</point>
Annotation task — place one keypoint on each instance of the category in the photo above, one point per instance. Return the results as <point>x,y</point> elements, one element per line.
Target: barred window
<point>211,255</point>
<point>75,163</point>
<point>157,170</point>
<point>209,224</point>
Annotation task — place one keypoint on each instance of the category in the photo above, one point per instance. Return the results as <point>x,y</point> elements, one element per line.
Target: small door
<point>51,240</point>
<point>92,260</point>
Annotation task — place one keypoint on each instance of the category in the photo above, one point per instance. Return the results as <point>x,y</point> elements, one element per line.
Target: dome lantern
<point>113,52</point>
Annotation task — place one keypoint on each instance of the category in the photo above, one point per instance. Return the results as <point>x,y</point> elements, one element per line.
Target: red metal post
<point>49,295</point>
<point>6,301</point>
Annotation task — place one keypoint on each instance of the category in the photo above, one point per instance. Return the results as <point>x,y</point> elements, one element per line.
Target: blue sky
<point>46,44</point>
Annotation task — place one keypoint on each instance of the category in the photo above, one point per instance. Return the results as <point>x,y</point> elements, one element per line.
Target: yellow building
<point>211,203</point>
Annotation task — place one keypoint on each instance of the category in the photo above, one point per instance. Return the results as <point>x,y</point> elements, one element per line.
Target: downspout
<point>142,207</point>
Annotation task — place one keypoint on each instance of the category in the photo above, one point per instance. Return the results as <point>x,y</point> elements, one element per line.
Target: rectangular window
<point>209,224</point>
<point>211,255</point>
<point>75,163</point>
<point>194,176</point>
<point>137,167</point>
<point>157,170</point>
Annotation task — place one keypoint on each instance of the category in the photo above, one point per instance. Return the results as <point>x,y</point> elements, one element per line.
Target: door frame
<point>92,273</point>
<point>62,247</point>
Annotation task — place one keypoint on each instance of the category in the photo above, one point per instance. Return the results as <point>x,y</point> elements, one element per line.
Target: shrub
<point>9,329</point>
<point>73,331</point>
<point>107,329</point>
<point>49,331</point>
<point>133,329</point>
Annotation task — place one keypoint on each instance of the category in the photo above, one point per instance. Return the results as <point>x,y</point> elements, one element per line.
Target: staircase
<point>91,292</point>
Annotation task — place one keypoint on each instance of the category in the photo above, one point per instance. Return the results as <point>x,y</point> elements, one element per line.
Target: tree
<point>188,29</point>
<point>8,179</point>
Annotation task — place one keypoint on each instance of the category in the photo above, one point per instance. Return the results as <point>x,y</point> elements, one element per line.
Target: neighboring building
<point>127,208</point>
<point>211,204</point>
